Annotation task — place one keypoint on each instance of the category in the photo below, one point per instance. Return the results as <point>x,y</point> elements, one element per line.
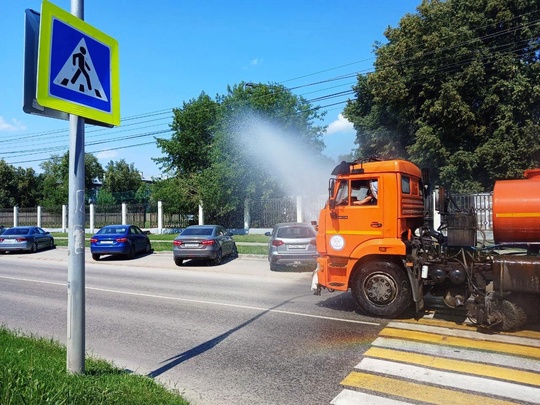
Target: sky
<point>172,50</point>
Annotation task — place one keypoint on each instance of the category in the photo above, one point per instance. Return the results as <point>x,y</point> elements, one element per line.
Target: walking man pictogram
<point>79,60</point>
<point>79,74</point>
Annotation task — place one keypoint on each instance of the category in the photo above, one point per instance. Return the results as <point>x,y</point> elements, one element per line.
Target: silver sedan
<point>210,242</point>
<point>25,238</point>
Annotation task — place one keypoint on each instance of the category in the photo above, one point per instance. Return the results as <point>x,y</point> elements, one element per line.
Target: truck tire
<point>381,289</point>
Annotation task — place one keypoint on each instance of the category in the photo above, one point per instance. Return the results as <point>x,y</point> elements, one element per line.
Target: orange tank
<point>516,209</point>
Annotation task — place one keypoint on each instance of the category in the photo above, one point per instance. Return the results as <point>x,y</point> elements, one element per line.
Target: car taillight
<point>277,242</point>
<point>177,242</point>
<point>208,242</point>
<point>313,242</point>
<point>93,240</point>
<point>121,240</point>
<point>1,239</point>
<point>21,239</point>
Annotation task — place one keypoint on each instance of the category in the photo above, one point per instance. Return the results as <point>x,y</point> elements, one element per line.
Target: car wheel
<point>148,248</point>
<point>178,262</point>
<point>234,252</point>
<point>131,254</point>
<point>95,256</point>
<point>382,289</point>
<point>51,244</point>
<point>273,266</point>
<point>34,247</point>
<point>219,258</point>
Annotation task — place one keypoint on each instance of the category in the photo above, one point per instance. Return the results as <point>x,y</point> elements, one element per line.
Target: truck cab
<point>373,208</point>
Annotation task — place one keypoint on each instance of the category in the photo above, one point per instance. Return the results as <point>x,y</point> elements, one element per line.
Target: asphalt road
<point>230,334</point>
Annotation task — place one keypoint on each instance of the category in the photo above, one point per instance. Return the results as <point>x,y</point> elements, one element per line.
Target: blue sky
<point>172,50</point>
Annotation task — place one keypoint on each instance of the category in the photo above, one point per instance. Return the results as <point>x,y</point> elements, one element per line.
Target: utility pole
<point>76,234</point>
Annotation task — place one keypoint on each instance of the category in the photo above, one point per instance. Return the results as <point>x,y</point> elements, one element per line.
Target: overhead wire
<point>410,62</point>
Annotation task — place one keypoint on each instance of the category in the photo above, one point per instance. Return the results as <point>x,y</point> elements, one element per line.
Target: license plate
<point>107,242</point>
<point>297,246</point>
<point>191,245</point>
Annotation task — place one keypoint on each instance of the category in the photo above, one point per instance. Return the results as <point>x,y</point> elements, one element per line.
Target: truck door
<point>357,217</point>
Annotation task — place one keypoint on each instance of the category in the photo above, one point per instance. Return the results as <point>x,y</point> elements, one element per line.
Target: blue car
<point>126,240</point>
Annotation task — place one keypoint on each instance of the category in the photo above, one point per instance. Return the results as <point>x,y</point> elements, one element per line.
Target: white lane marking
<point>200,301</point>
<point>453,380</point>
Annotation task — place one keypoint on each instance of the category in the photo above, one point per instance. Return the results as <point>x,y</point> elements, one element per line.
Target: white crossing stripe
<point>454,380</point>
<point>349,397</point>
<point>472,334</point>
<point>475,356</point>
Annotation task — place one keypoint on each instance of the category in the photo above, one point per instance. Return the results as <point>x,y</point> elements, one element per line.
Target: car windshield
<point>295,232</point>
<point>17,231</point>
<point>197,231</point>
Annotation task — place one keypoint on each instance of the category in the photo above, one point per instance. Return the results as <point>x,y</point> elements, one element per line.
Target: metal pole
<point>76,220</point>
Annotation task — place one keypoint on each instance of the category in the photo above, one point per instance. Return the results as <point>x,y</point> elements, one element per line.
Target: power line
<point>411,62</point>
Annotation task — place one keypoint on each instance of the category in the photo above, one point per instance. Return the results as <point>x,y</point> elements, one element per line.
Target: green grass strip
<point>33,371</point>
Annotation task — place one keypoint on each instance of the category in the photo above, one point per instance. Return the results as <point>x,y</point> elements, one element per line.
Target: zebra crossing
<point>437,361</point>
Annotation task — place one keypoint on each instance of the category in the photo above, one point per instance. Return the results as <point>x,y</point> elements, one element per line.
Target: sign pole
<point>76,236</point>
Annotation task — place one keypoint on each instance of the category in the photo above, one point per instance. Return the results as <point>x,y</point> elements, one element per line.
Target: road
<point>238,333</point>
<point>231,334</point>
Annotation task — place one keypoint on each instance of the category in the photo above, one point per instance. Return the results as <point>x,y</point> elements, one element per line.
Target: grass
<point>163,243</point>
<point>33,371</point>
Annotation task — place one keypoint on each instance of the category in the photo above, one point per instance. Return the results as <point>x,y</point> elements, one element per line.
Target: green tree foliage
<point>8,190</point>
<point>121,180</point>
<point>187,151</point>
<point>219,152</point>
<point>56,178</point>
<point>456,89</point>
<point>29,187</point>
<point>105,197</point>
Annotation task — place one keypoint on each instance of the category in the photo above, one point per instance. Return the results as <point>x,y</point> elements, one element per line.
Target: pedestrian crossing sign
<point>77,67</point>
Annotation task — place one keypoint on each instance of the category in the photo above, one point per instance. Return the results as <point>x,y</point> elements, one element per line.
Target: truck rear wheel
<point>381,289</point>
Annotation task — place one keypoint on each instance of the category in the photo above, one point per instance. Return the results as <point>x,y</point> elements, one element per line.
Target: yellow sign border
<point>48,12</point>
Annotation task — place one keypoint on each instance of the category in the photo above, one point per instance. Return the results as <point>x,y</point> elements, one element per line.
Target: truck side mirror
<point>331,186</point>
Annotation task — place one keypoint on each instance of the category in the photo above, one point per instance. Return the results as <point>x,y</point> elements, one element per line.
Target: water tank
<point>516,209</point>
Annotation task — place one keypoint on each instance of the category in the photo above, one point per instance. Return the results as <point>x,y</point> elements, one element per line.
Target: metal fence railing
<point>482,204</point>
<point>264,213</point>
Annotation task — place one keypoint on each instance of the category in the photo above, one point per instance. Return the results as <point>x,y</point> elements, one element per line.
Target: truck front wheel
<point>381,289</point>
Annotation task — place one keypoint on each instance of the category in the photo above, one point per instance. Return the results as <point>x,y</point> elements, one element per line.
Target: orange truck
<point>375,236</point>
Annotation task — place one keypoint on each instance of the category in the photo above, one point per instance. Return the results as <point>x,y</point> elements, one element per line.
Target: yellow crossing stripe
<point>462,342</point>
<point>467,326</point>
<point>460,366</point>
<point>418,392</point>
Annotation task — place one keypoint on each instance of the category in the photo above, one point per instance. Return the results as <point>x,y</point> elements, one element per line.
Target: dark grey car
<point>210,242</point>
<point>292,244</point>
<point>25,238</point>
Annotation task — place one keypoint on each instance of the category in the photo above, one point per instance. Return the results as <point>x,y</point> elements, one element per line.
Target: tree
<point>8,189</point>
<point>29,187</point>
<point>187,151</point>
<point>223,150</point>
<point>122,180</point>
<point>455,90</point>
<point>56,178</point>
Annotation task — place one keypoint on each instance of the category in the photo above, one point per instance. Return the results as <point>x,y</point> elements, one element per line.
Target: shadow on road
<point>180,358</point>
